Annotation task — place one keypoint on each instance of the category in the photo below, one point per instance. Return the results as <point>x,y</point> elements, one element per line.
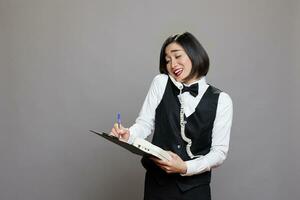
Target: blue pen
<point>119,120</point>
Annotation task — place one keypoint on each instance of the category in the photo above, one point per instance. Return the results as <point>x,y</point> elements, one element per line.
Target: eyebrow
<point>174,50</point>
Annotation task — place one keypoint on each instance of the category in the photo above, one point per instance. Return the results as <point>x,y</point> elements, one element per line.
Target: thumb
<point>123,130</point>
<point>173,154</point>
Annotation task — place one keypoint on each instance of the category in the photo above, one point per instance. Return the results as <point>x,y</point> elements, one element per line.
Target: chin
<point>179,79</point>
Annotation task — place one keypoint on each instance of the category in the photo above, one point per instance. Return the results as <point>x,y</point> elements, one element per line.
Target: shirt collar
<point>201,82</point>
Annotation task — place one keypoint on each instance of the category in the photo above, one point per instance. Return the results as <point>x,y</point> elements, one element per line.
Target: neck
<point>193,80</point>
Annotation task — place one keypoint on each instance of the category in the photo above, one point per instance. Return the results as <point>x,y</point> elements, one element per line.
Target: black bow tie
<point>193,89</point>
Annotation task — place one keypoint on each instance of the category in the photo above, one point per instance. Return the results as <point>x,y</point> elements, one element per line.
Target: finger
<point>161,163</point>
<point>173,155</point>
<point>122,131</point>
<point>170,172</point>
<point>114,134</point>
<point>116,126</point>
<point>111,133</point>
<point>163,167</point>
<point>156,160</point>
<point>119,131</point>
<point>167,169</point>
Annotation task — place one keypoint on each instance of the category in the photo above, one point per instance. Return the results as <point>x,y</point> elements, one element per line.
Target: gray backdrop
<point>69,66</point>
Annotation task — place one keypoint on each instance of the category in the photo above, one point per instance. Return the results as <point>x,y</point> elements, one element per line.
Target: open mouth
<point>177,72</point>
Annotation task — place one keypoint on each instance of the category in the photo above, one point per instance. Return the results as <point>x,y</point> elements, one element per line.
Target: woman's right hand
<point>120,132</point>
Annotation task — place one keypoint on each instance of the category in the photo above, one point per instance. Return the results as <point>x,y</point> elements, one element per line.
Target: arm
<point>145,121</point>
<point>220,140</point>
<point>144,124</point>
<point>219,147</point>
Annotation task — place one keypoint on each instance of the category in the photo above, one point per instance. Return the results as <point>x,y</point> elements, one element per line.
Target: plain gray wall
<point>69,66</point>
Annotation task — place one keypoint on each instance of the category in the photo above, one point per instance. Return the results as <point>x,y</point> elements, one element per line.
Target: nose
<point>173,63</point>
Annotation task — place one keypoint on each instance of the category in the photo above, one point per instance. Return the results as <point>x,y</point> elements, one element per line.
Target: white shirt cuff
<point>196,166</point>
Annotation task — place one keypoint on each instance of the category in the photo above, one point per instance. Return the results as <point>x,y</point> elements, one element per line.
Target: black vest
<point>198,128</point>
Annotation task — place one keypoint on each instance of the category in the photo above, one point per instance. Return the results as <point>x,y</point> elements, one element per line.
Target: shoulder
<point>160,78</point>
<point>225,99</point>
<point>160,81</point>
<point>215,90</point>
<point>157,89</point>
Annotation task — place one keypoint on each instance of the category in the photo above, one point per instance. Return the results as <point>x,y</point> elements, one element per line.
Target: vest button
<point>178,146</point>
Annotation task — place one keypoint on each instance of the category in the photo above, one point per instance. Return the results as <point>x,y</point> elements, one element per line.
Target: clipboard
<point>139,147</point>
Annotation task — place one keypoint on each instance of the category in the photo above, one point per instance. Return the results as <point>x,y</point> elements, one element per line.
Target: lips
<point>177,72</point>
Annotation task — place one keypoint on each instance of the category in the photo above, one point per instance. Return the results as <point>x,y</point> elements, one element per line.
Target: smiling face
<point>179,65</point>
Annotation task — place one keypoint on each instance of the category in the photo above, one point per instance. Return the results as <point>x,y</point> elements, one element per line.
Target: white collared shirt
<point>221,131</point>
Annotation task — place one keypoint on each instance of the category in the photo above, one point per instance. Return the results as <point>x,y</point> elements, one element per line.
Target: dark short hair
<point>194,50</point>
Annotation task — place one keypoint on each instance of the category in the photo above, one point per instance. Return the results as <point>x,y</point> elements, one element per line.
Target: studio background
<point>70,66</point>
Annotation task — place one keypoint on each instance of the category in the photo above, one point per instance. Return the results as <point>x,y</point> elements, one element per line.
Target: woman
<point>190,119</point>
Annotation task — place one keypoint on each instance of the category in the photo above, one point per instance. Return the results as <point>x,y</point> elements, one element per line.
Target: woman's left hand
<point>175,165</point>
